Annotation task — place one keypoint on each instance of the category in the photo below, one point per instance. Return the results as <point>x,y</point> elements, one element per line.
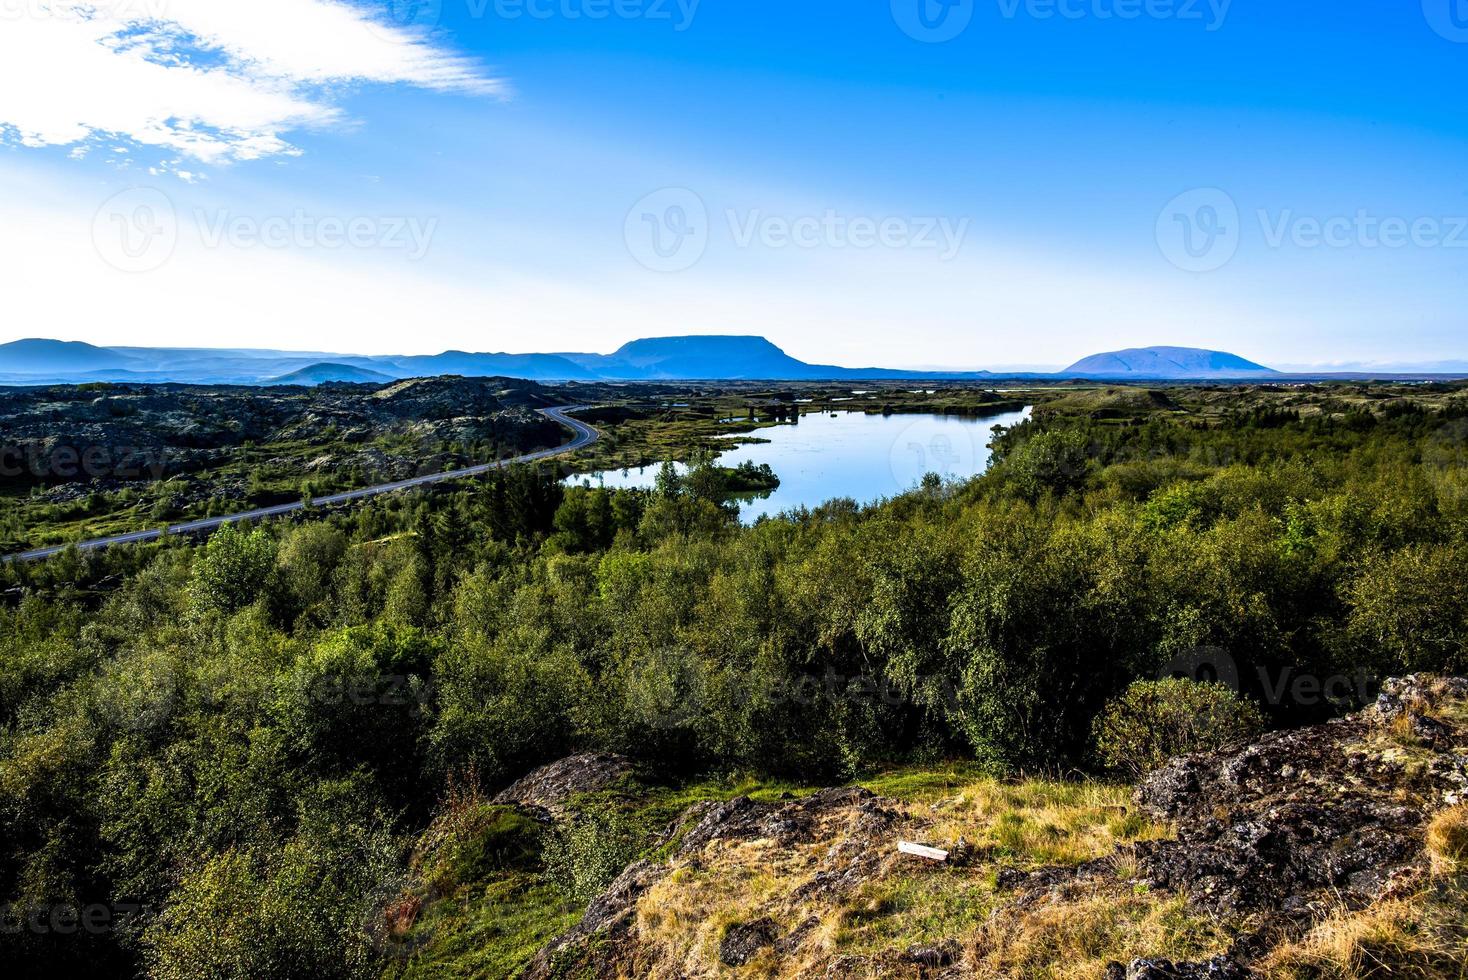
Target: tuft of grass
<point>1420,938</point>
<point>902,911</point>
<point>687,914</point>
<point>1076,937</point>
<point>1447,841</point>
<point>1042,822</point>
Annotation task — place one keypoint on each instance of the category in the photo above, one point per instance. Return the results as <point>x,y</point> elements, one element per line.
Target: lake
<point>848,454</point>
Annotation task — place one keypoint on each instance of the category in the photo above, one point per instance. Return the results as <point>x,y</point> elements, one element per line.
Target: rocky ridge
<point>1269,838</point>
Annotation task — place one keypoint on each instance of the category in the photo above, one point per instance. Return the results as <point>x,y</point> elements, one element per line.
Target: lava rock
<point>743,942</point>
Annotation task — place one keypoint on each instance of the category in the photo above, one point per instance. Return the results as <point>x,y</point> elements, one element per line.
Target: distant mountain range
<point>711,358</point>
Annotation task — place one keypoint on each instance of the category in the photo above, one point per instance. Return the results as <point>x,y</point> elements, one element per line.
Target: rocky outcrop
<point>855,821</point>
<point>1271,837</point>
<point>1301,820</point>
<point>1287,829</point>
<point>549,788</point>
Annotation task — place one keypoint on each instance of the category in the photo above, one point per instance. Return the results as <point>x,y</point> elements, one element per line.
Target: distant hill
<point>1168,363</point>
<point>319,374</point>
<point>58,358</point>
<point>728,358</point>
<point>530,367</point>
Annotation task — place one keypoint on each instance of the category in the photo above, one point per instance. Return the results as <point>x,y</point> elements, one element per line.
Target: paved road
<point>585,436</point>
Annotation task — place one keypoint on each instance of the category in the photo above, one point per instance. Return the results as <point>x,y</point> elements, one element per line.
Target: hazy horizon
<point>1007,183</point>
<point>1344,367</point>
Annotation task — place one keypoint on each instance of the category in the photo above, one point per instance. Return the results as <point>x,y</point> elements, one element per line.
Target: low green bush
<point>1155,721</point>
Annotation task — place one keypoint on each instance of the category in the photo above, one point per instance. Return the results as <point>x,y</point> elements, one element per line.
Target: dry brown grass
<point>1043,823</point>
<point>1074,938</point>
<point>1418,938</point>
<point>684,917</point>
<point>1071,934</point>
<point>908,902</point>
<point>1447,841</point>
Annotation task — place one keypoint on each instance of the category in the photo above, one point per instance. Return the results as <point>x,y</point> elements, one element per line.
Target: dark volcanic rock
<point>743,942</point>
<point>1330,813</point>
<point>95,435</point>
<point>1219,968</point>
<point>937,955</point>
<point>549,787</point>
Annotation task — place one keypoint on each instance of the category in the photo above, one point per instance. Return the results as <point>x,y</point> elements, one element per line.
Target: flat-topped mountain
<point>716,358</point>
<point>667,358</point>
<point>41,357</point>
<point>1181,363</point>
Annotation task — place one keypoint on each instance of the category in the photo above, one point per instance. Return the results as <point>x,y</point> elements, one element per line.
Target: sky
<point>956,183</point>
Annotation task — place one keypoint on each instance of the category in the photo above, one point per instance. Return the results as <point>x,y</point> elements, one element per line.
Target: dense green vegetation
<point>232,752</point>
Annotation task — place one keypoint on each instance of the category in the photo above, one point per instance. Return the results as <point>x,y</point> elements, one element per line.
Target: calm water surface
<point>849,454</point>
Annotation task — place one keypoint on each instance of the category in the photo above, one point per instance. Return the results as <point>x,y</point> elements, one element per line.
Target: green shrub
<point>585,855</point>
<point>233,570</point>
<point>472,841</point>
<point>1158,720</point>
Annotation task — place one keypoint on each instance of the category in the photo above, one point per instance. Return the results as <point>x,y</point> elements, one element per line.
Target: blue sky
<point>1285,180</point>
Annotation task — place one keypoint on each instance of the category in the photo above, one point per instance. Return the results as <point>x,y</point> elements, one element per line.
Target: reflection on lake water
<point>848,454</point>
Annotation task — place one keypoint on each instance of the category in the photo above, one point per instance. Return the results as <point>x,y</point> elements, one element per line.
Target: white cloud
<point>217,80</point>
